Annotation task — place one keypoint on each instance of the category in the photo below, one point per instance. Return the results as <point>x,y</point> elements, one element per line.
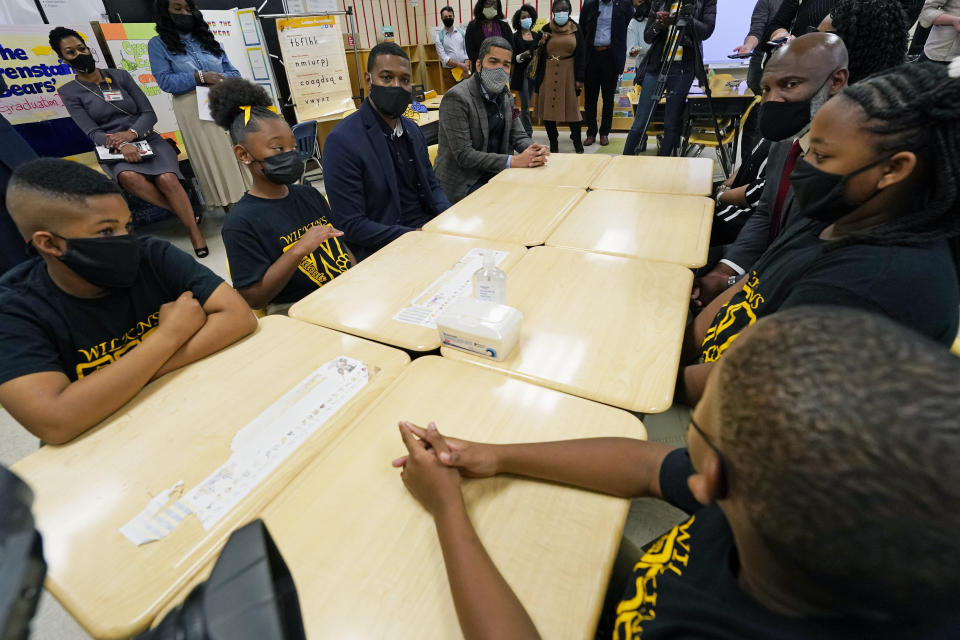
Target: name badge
<point>112,96</point>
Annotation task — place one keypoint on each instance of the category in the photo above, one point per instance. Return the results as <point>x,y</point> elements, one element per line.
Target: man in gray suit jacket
<point>480,128</point>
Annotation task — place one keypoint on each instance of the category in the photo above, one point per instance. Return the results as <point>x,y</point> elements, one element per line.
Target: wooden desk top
<point>509,212</point>
<point>561,170</point>
<point>179,427</point>
<point>680,176</point>
<point>651,226</point>
<point>600,327</point>
<point>433,103</point>
<point>364,554</point>
<point>364,300</point>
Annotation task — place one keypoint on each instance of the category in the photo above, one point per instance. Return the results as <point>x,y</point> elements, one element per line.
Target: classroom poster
<point>316,67</point>
<point>60,11</point>
<point>238,32</point>
<point>128,46</point>
<point>33,72</point>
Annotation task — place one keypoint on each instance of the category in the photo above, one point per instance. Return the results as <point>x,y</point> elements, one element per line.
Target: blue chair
<point>305,134</point>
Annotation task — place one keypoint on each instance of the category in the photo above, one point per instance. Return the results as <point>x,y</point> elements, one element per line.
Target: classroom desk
<point>178,428</point>
<point>364,300</point>
<point>364,554</point>
<point>509,212</point>
<point>561,170</point>
<point>651,226</point>
<point>600,327</point>
<point>434,102</point>
<point>679,176</point>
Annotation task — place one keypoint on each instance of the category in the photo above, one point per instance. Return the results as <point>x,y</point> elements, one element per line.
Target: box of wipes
<point>482,328</point>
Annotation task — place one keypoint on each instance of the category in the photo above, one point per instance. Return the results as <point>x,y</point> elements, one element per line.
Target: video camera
<point>249,595</point>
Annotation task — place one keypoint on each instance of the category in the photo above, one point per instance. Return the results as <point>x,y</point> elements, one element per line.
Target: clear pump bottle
<point>490,282</point>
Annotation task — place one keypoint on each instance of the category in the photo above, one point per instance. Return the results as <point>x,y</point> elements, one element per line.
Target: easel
<point>350,24</point>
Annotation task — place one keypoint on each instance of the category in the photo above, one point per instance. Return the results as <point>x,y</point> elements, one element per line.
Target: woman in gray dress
<point>109,107</point>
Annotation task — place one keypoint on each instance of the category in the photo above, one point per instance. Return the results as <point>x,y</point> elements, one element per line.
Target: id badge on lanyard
<point>112,95</point>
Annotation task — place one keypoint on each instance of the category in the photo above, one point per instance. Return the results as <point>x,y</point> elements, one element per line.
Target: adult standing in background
<point>183,56</point>
<point>604,24</point>
<point>637,47</point>
<point>488,22</point>
<point>799,17</point>
<point>451,44</point>
<point>560,73</point>
<point>942,17</point>
<point>525,42</point>
<point>663,14</point>
<point>14,151</point>
<point>761,24</point>
<point>113,112</point>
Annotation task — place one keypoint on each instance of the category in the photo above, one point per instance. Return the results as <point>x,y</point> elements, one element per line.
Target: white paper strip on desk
<point>454,284</point>
<point>258,449</point>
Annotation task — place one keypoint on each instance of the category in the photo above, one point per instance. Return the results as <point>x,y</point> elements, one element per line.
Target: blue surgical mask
<point>561,17</point>
<point>526,23</point>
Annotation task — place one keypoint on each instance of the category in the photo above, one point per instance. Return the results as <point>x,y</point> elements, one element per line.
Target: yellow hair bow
<point>246,112</point>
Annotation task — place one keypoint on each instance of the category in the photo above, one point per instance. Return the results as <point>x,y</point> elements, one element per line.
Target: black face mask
<point>111,262</point>
<point>821,195</point>
<point>183,22</point>
<point>639,14</point>
<point>448,22</point>
<point>390,101</point>
<point>83,63</point>
<point>283,168</point>
<point>781,120</point>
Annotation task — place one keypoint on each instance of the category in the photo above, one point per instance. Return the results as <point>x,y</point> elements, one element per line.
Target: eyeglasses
<point>723,463</point>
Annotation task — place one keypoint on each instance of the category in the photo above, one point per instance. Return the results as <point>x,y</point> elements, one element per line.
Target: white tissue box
<point>482,328</point>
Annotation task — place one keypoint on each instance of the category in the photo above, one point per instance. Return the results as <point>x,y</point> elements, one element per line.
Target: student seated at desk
<point>877,222</point>
<point>376,169</point>
<point>97,295</point>
<point>480,128</point>
<point>822,494</point>
<point>279,240</point>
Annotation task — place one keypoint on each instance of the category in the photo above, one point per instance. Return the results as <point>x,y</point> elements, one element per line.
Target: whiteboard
<point>733,24</point>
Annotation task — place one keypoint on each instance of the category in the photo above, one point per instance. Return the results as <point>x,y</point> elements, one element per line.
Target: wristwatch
<point>732,280</point>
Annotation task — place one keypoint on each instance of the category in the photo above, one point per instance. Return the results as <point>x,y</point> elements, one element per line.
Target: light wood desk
<point>509,212</point>
<point>434,102</point>
<point>680,176</point>
<point>561,170</point>
<point>364,554</point>
<point>601,327</point>
<point>652,226</point>
<point>364,300</point>
<point>178,428</point>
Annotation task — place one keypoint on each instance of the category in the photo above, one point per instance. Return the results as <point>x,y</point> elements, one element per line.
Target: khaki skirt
<point>222,179</point>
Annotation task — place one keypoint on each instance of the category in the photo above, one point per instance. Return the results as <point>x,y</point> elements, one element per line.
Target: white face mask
<point>490,13</point>
<point>561,17</point>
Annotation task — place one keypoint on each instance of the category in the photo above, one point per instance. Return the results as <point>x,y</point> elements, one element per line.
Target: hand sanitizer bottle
<point>489,282</point>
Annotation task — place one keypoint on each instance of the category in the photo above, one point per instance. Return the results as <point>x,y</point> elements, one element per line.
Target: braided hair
<point>226,99</point>
<point>916,107</point>
<point>875,33</point>
<point>171,36</point>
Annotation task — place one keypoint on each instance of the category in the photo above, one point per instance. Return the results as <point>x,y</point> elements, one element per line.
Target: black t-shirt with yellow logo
<point>257,231</point>
<point>42,328</point>
<point>913,285</point>
<point>685,585</point>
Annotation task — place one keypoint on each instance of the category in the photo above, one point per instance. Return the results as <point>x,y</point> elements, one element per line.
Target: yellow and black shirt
<point>913,285</point>
<point>257,231</point>
<point>42,328</point>
<point>685,586</point>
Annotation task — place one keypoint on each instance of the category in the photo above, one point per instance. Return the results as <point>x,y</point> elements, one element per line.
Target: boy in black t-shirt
<point>824,493</point>
<point>97,296</point>
<point>280,243</point>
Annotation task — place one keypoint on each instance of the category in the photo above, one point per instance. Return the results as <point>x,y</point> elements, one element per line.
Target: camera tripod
<point>676,35</point>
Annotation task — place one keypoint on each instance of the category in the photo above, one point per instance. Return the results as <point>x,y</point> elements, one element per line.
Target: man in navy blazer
<point>376,168</point>
<point>14,151</point>
<point>604,24</point>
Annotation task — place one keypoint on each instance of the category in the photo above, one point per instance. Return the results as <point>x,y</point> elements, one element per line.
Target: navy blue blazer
<point>619,21</point>
<point>361,181</point>
<point>14,151</point>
